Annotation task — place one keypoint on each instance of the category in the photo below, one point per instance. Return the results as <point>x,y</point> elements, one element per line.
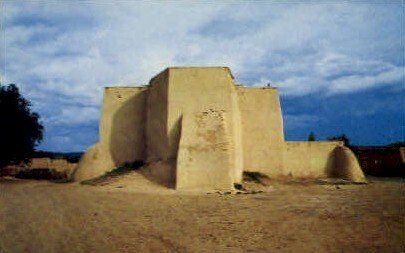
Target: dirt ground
<point>125,216</point>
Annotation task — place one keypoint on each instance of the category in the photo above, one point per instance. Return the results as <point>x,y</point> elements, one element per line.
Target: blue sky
<point>339,67</point>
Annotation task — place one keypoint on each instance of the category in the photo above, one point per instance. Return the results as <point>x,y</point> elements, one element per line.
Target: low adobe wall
<point>40,163</point>
<point>60,165</point>
<point>347,165</point>
<point>311,159</point>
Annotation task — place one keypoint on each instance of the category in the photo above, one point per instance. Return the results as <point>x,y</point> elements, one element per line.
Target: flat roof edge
<point>125,87</point>
<point>241,86</point>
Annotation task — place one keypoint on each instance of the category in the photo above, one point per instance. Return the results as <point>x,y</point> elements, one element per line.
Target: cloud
<point>63,53</point>
<point>300,120</point>
<point>334,65</point>
<point>352,83</point>
<point>73,115</point>
<point>335,74</point>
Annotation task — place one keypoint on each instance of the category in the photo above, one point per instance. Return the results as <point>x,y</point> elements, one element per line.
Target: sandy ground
<point>128,216</point>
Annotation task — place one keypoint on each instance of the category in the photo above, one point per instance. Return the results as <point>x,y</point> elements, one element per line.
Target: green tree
<point>311,136</point>
<point>20,128</point>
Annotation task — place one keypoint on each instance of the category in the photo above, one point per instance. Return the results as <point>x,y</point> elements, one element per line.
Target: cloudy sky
<point>339,67</point>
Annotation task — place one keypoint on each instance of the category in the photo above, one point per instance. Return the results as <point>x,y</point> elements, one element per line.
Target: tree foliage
<point>20,128</point>
<point>397,144</point>
<point>341,137</point>
<point>311,136</point>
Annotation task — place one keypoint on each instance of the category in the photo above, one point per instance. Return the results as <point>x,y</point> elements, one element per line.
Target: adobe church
<point>195,129</point>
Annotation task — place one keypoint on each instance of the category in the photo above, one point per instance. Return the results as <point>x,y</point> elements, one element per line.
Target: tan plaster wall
<point>204,157</point>
<point>347,165</point>
<point>237,136</point>
<point>196,129</point>
<point>156,118</point>
<point>161,166</point>
<point>262,130</point>
<point>40,163</point>
<point>193,91</point>
<point>309,159</point>
<point>60,165</point>
<point>328,159</point>
<point>47,163</point>
<point>94,162</point>
<point>121,132</point>
<point>122,126</point>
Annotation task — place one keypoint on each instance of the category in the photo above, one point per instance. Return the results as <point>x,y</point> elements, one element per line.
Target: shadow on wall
<point>127,140</point>
<point>175,136</point>
<point>164,172</point>
<point>127,136</point>
<point>346,165</point>
<point>331,165</point>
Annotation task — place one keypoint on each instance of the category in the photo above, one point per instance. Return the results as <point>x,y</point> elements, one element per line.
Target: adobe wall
<point>205,152</point>
<point>157,141</point>
<point>40,162</point>
<point>262,130</point>
<point>160,164</point>
<point>196,130</point>
<point>309,159</point>
<point>60,165</point>
<point>122,125</point>
<point>346,165</point>
<point>321,159</point>
<point>121,132</point>
<point>237,136</point>
<point>192,116</point>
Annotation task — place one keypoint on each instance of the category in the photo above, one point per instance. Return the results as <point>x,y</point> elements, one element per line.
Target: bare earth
<point>131,215</point>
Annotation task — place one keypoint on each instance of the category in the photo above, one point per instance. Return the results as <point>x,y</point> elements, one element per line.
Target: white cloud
<point>73,115</point>
<point>335,74</point>
<point>131,42</point>
<point>337,64</point>
<point>360,82</point>
<point>64,53</point>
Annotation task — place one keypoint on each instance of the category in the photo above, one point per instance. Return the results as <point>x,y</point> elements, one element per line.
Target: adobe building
<point>194,128</point>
